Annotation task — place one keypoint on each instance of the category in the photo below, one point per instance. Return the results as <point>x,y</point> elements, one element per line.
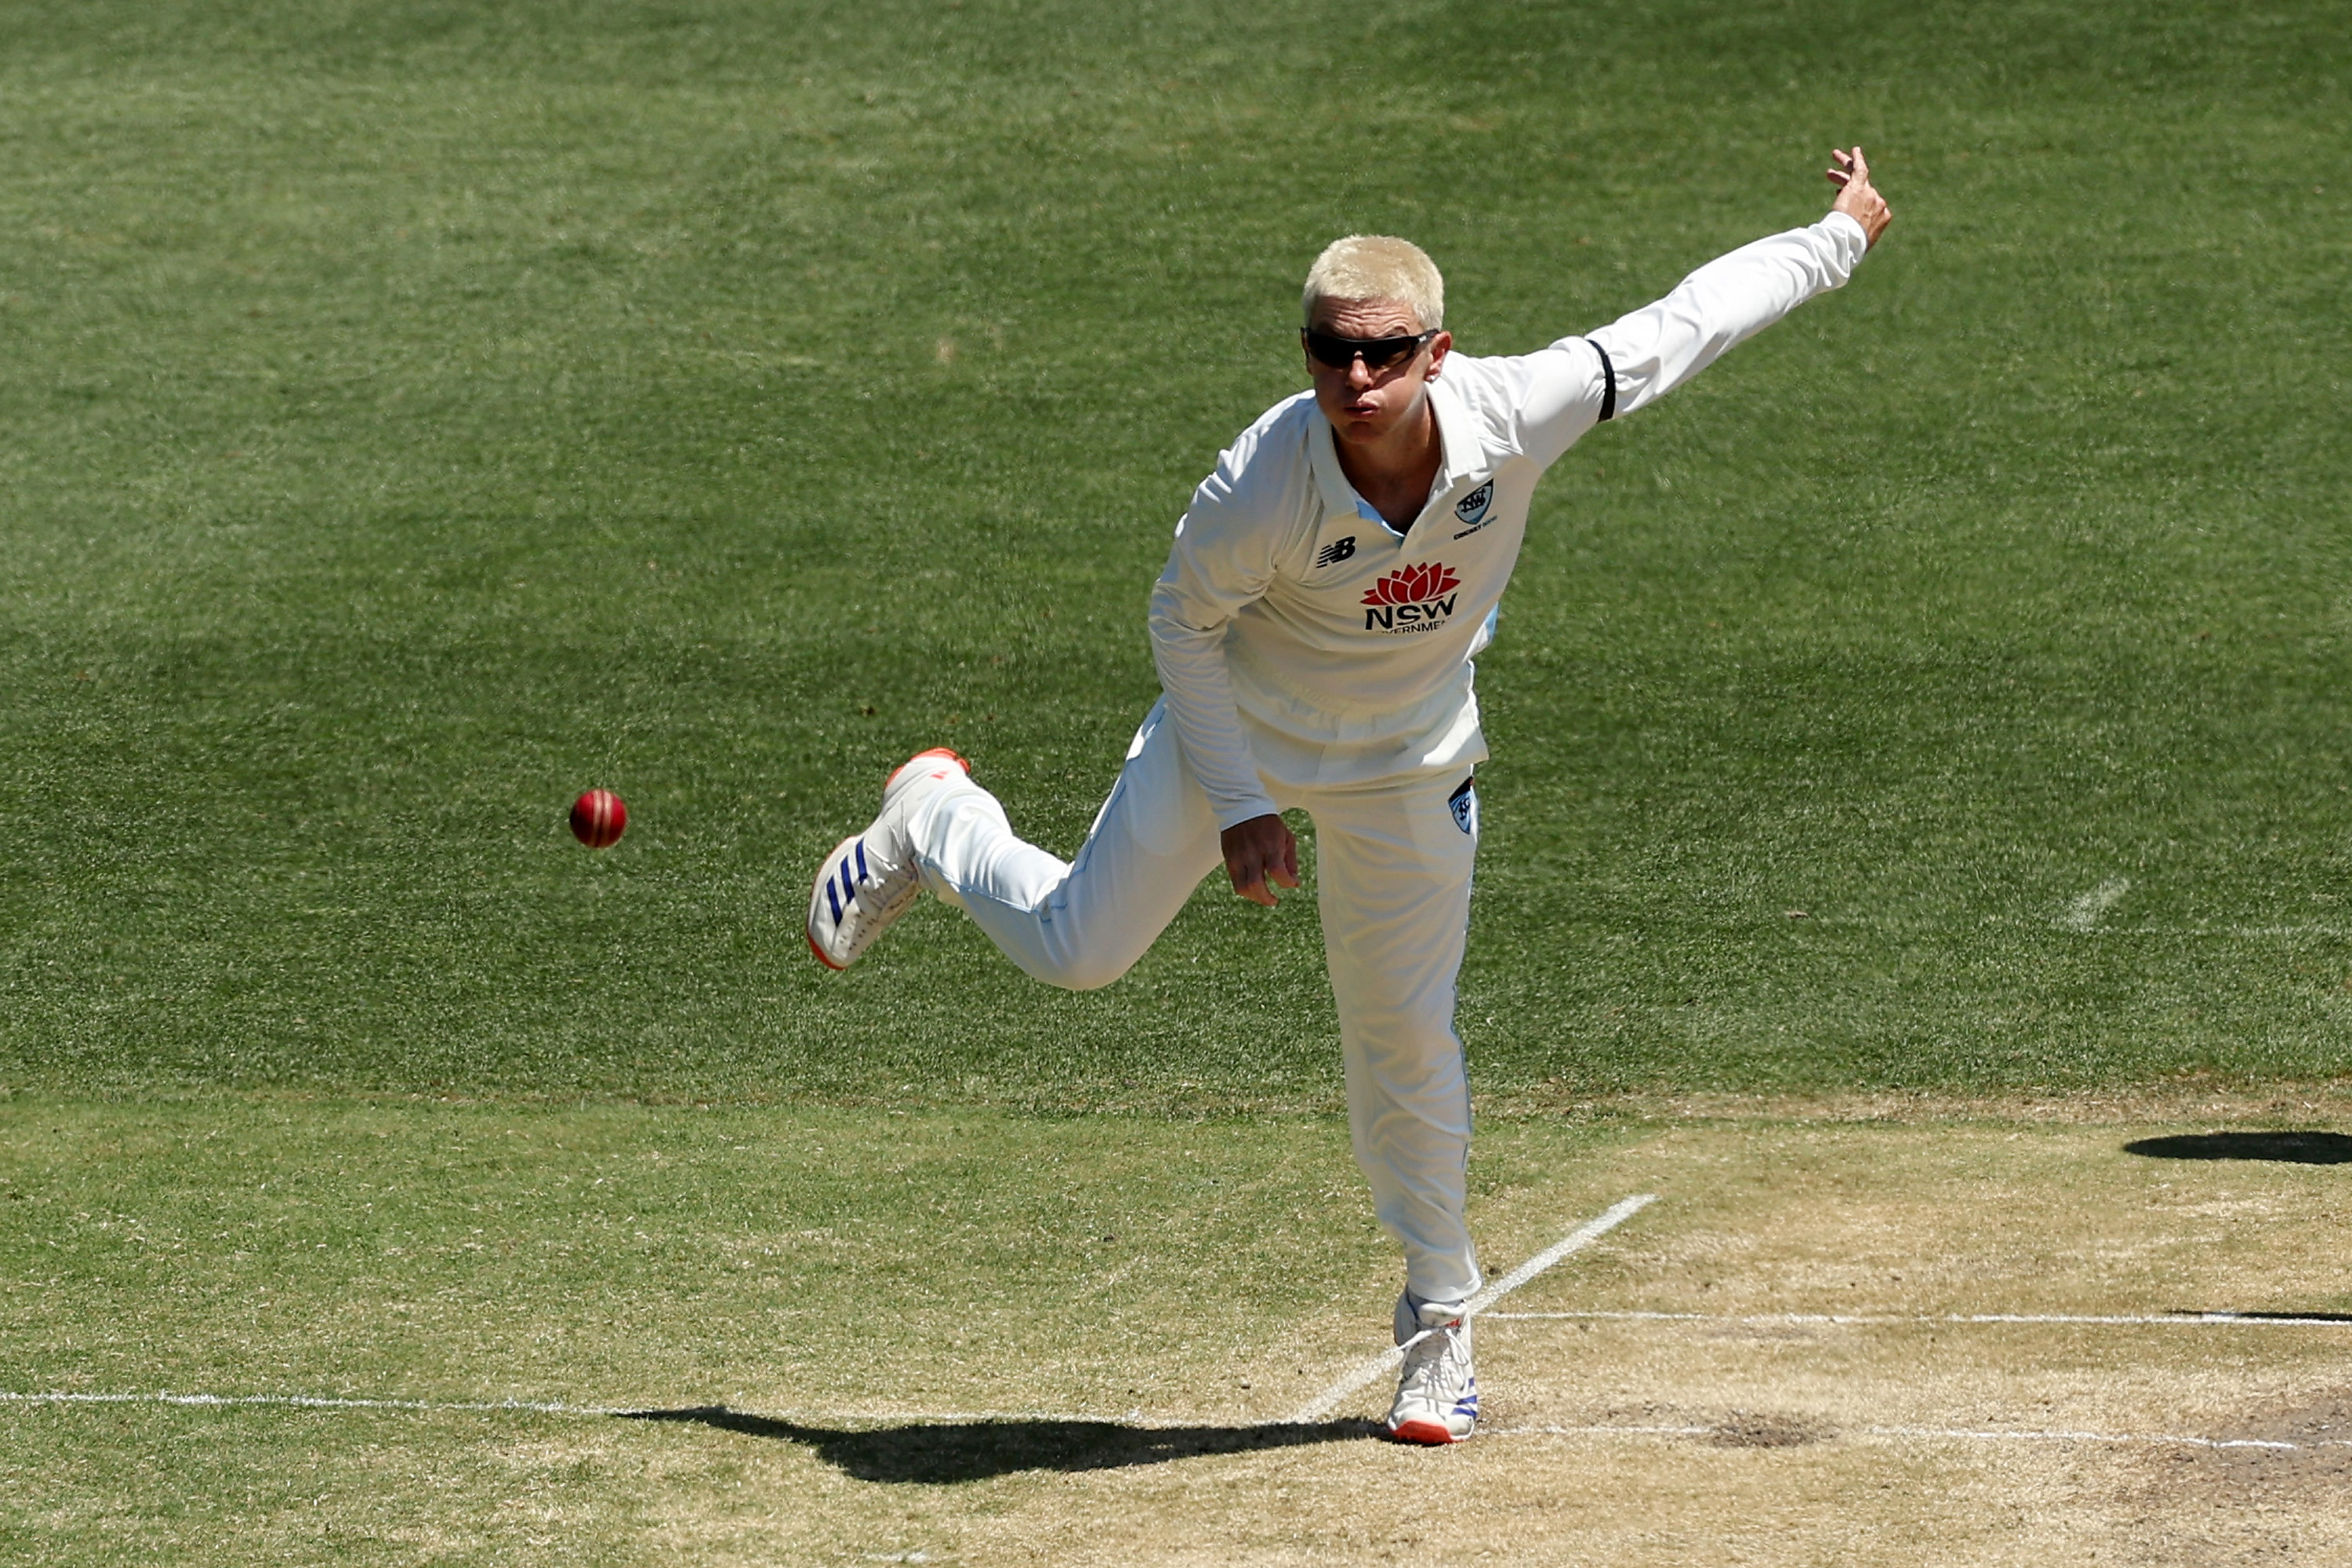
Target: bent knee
<point>1081,971</point>
<point>1086,978</point>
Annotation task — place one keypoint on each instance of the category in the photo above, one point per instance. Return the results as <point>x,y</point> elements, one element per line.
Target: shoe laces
<point>888,881</point>
<point>1437,1362</point>
<point>865,889</point>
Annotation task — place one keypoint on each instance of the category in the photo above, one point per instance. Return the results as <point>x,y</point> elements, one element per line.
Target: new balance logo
<point>1333,554</point>
<point>1412,599</point>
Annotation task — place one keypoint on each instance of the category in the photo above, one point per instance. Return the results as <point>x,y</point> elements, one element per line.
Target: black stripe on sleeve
<point>1609,392</point>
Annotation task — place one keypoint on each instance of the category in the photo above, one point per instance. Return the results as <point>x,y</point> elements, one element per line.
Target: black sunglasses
<point>1378,353</point>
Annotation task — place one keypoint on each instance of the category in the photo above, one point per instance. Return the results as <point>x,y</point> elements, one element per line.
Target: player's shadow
<point>945,1451</point>
<point>2285,1148</point>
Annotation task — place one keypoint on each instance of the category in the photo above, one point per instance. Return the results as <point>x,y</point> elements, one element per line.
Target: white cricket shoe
<point>1437,1396</point>
<point>870,879</point>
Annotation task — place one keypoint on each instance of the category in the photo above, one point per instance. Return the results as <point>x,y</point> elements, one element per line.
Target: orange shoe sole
<point>958,758</point>
<point>1428,1434</point>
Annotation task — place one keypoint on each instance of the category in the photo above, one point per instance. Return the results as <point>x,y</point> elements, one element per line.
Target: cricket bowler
<point>1329,587</point>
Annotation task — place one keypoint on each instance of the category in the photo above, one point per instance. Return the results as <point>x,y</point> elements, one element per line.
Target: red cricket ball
<point>598,818</point>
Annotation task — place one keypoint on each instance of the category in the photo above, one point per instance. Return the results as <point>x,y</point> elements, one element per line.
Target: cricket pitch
<point>1986,1339</point>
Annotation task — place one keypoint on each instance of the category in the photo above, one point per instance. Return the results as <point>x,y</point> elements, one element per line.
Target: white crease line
<point>1944,1434</point>
<point>2084,913</point>
<point>1766,1320</point>
<point>557,1408</point>
<point>2237,1320</point>
<point>1132,1421</point>
<point>312,1402</point>
<point>1597,1431</point>
<point>2160,1438</point>
<point>1583,1236</point>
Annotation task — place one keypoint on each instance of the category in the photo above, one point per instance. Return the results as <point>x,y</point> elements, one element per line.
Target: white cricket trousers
<point>1394,863</point>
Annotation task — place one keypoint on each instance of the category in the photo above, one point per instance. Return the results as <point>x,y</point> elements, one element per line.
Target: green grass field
<point>414,414</point>
<point>417,414</point>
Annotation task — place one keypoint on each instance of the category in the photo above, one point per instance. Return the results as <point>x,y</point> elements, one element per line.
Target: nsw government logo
<point>1412,599</point>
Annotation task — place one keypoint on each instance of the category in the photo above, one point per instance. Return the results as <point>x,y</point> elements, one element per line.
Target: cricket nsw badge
<point>1463,804</point>
<point>1472,512</point>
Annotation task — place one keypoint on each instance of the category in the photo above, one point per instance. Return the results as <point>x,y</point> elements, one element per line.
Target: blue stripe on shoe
<point>848,886</point>
<point>861,859</point>
<point>833,897</point>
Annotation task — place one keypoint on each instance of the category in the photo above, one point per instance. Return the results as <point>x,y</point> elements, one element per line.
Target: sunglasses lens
<point>1379,354</point>
<point>1337,353</point>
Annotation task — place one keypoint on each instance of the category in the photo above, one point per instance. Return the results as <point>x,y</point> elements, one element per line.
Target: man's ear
<point>1439,346</point>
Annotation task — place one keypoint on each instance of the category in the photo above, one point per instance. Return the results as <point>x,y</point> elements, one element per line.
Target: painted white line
<point>2236,1319</point>
<point>558,1407</point>
<point>2084,913</point>
<point>1767,1319</point>
<point>1961,1434</point>
<point>1576,1240</point>
<point>1596,1431</point>
<point>1131,1421</point>
<point>1937,1434</point>
<point>311,1402</point>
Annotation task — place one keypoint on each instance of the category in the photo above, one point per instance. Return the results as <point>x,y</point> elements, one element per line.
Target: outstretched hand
<point>1259,850</point>
<point>1857,197</point>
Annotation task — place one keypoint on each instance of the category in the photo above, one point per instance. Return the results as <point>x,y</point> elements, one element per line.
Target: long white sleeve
<point>1657,348</point>
<point>1199,695</point>
<point>1227,550</point>
<point>1731,299</point>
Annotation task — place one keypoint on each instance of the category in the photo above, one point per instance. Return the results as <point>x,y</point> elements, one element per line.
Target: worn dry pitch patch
<point>1825,1340</point>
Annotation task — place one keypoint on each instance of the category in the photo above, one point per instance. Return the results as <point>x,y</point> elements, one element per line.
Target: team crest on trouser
<point>1463,804</point>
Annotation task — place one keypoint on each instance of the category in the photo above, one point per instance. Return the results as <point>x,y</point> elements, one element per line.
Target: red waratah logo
<point>1411,599</point>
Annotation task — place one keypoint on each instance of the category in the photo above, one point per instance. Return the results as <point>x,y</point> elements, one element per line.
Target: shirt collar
<point>1457,428</point>
<point>1462,457</point>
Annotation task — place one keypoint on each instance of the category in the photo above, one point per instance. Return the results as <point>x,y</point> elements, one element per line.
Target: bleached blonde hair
<point>1378,267</point>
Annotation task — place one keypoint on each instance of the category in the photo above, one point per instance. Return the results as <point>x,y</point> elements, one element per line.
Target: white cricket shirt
<point>1301,641</point>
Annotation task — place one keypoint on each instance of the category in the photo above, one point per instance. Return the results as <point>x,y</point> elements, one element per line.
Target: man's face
<point>1365,404</point>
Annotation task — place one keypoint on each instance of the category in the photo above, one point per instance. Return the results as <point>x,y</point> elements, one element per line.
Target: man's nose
<point>1359,374</point>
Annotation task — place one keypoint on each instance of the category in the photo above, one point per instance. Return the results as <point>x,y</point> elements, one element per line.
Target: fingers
<point>1248,878</point>
<point>1856,197</point>
<point>1257,851</point>
<point>1255,890</point>
<point>1279,867</point>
